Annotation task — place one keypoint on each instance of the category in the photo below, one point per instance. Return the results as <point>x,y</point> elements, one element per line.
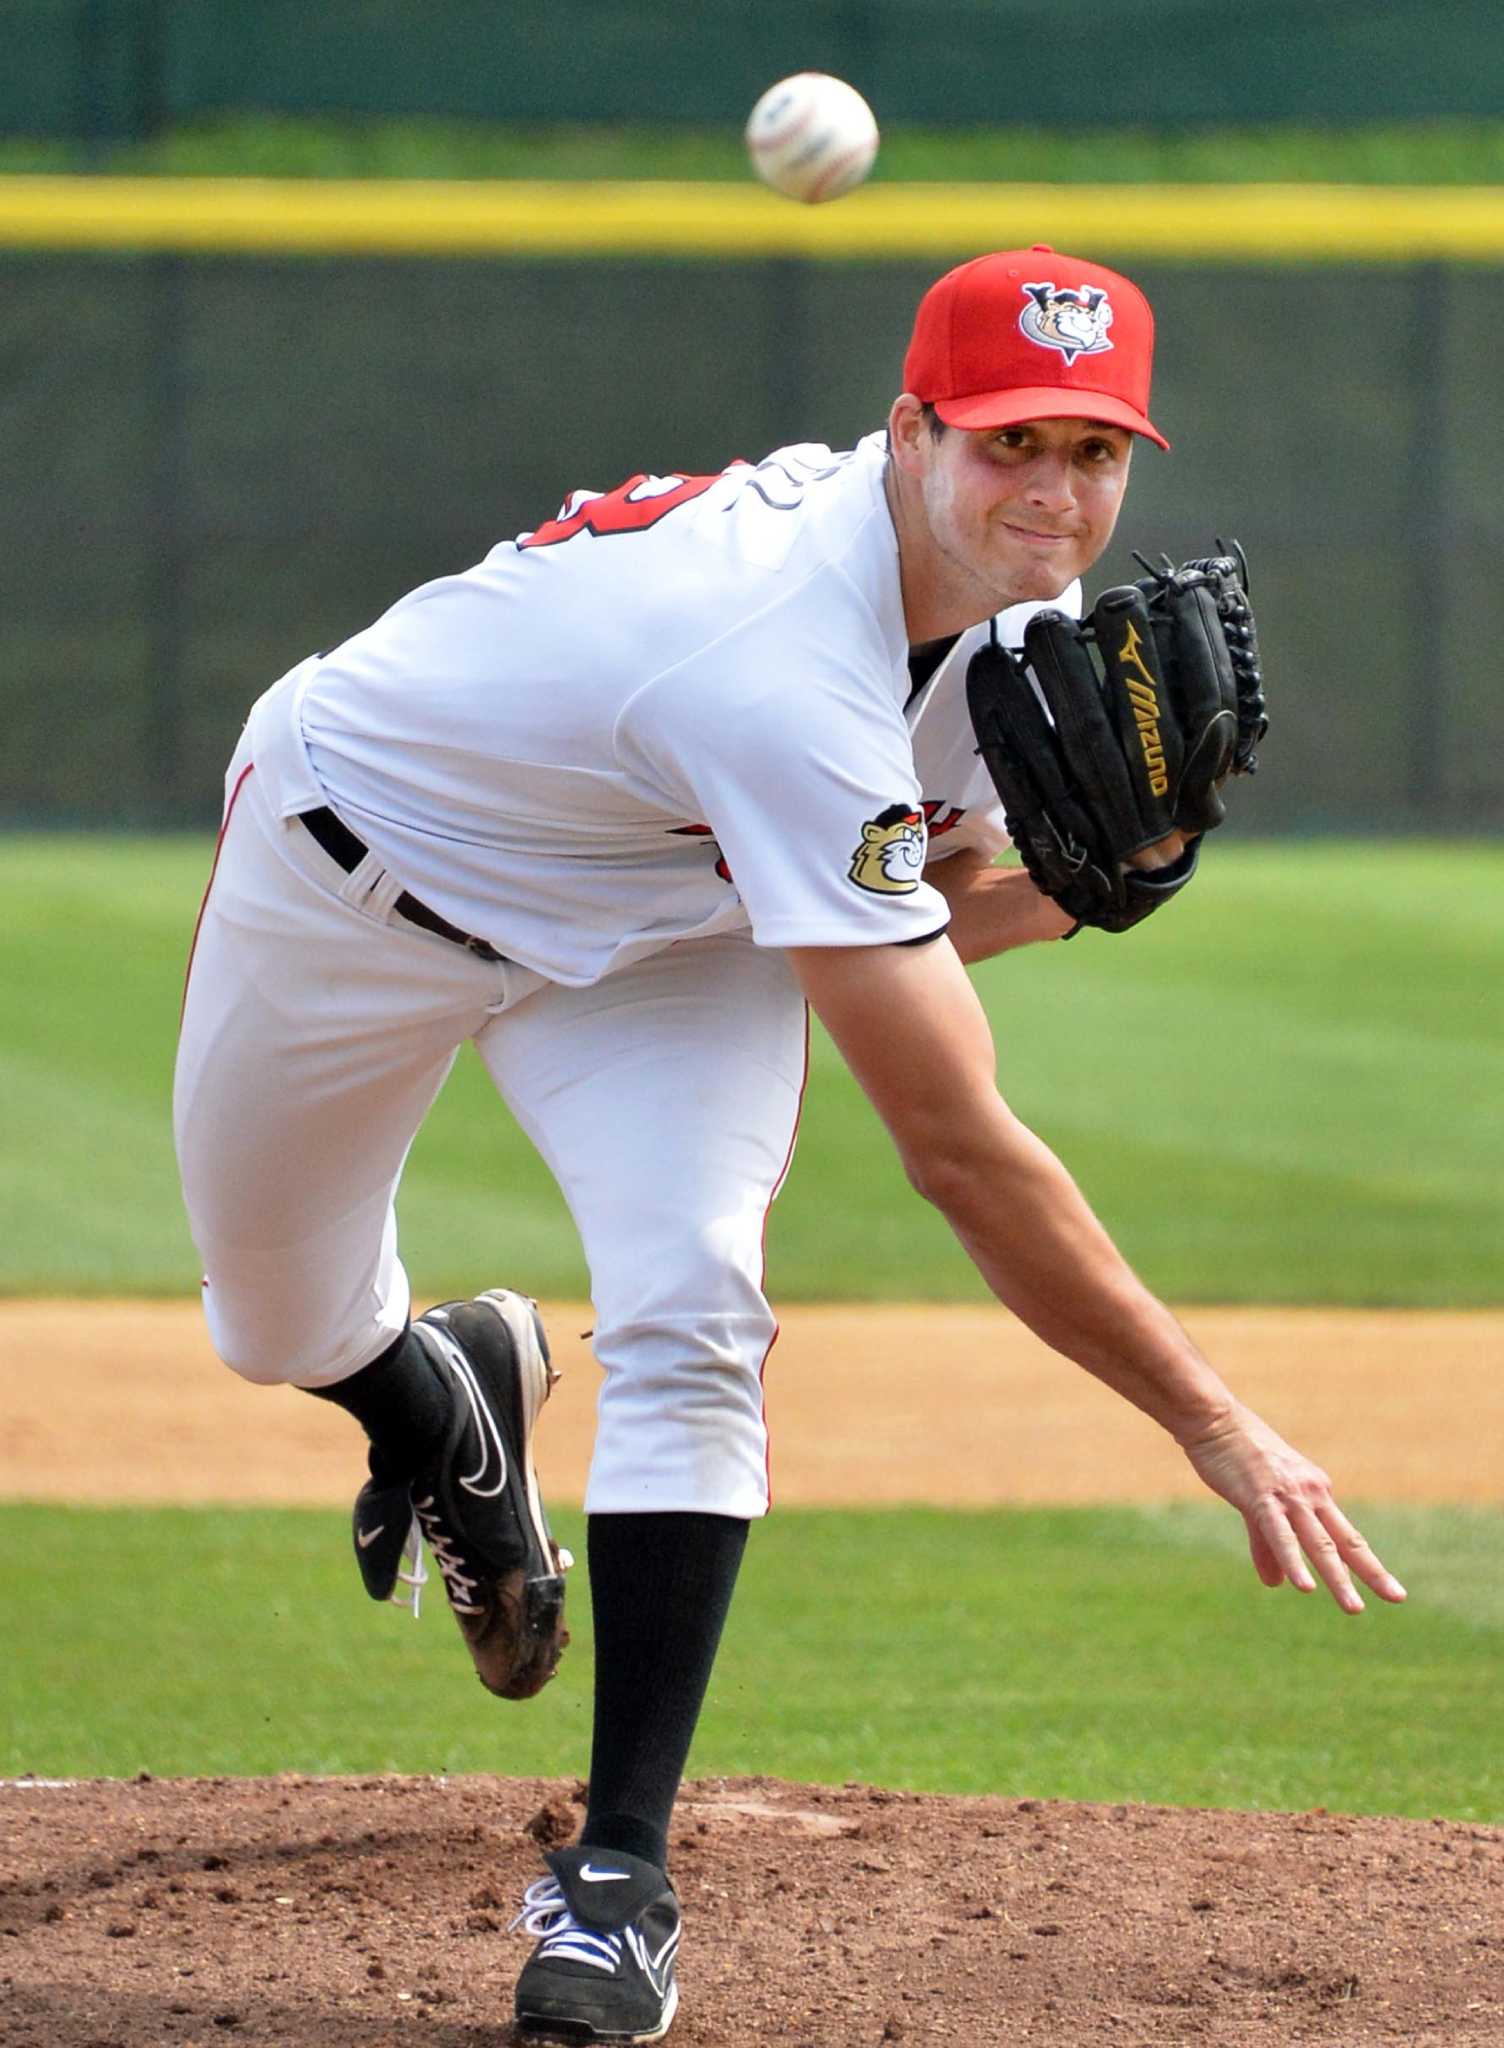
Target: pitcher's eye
<point>1102,449</point>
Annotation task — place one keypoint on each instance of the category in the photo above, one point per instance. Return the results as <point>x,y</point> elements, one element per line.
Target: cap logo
<point>1073,320</point>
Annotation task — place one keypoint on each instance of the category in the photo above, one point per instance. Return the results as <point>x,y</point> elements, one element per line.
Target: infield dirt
<point>866,1406</point>
<point>373,1913</point>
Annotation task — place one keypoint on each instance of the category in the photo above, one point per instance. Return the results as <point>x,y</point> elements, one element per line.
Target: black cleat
<point>603,1969</point>
<point>476,1505</point>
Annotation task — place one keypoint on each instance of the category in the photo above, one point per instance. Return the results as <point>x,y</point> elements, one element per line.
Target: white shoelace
<point>461,1586</point>
<point>546,1916</point>
<point>415,1574</point>
<point>426,1528</point>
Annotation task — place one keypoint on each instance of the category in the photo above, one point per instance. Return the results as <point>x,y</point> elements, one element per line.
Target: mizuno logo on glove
<point>1145,703</point>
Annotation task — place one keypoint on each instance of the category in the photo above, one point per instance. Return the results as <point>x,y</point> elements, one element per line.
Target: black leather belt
<point>342,846</point>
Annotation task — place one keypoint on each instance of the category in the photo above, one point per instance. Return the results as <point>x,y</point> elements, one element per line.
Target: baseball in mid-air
<point>812,137</point>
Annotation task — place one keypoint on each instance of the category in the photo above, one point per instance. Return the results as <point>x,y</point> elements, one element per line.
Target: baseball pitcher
<point>617,806</point>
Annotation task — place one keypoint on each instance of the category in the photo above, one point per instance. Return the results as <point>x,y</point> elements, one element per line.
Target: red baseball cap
<point>1029,334</point>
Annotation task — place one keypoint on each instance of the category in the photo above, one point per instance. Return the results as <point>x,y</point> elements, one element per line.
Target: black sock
<point>660,1587</point>
<point>400,1402</point>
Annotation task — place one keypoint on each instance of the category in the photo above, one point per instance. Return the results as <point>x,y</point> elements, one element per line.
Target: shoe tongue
<point>383,1516</point>
<point>604,1888</point>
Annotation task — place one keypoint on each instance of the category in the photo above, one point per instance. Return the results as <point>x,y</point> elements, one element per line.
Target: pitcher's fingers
<point>1359,1554</point>
<point>1321,1548</point>
<point>1265,1563</point>
<point>1274,1531</point>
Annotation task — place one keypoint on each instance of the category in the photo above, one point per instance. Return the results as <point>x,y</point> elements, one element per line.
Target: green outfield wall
<point>105,71</point>
<point>241,418</point>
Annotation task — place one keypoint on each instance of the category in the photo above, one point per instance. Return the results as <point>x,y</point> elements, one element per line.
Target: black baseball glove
<point>1148,705</point>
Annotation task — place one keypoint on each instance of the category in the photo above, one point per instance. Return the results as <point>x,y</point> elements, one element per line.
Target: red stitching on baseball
<point>780,136</point>
<point>833,171</point>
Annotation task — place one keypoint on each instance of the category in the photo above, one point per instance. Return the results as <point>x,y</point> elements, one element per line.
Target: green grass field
<point>1100,1654</point>
<point>1286,1090</point>
<point>1289,1089</point>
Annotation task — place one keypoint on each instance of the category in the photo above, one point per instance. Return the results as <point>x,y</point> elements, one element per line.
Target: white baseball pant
<point>318,1027</point>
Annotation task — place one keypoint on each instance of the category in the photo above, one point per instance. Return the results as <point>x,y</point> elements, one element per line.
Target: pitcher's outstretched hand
<point>1293,1521</point>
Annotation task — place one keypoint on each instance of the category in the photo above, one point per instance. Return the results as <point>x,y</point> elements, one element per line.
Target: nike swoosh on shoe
<point>490,1478</point>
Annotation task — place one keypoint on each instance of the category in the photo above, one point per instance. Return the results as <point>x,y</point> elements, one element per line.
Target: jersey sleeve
<point>983,829</point>
<point>800,767</point>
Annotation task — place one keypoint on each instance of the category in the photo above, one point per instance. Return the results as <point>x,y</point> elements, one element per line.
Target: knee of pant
<point>691,1356</point>
<point>694,1344</point>
<point>272,1353</point>
<point>260,1368</point>
<point>679,1274</point>
<point>265,1364</point>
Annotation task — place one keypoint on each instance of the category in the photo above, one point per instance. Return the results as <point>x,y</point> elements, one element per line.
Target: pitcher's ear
<point>907,430</point>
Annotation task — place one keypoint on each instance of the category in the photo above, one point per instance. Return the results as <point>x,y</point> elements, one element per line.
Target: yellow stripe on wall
<point>1325,223</point>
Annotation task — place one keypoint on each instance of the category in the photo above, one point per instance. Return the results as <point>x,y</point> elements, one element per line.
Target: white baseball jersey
<point>679,708</point>
<point>640,750</point>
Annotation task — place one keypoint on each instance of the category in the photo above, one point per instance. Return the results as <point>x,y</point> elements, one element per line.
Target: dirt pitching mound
<point>316,1913</point>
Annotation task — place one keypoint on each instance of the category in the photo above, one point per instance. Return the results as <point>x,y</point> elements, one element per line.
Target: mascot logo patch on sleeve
<point>890,859</point>
<point>1074,321</point>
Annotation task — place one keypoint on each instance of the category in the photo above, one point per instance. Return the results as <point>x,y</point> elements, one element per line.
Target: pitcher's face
<point>1026,509</point>
<point>998,516</point>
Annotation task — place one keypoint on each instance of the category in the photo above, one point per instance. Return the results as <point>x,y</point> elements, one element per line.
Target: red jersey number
<point>631,508</point>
